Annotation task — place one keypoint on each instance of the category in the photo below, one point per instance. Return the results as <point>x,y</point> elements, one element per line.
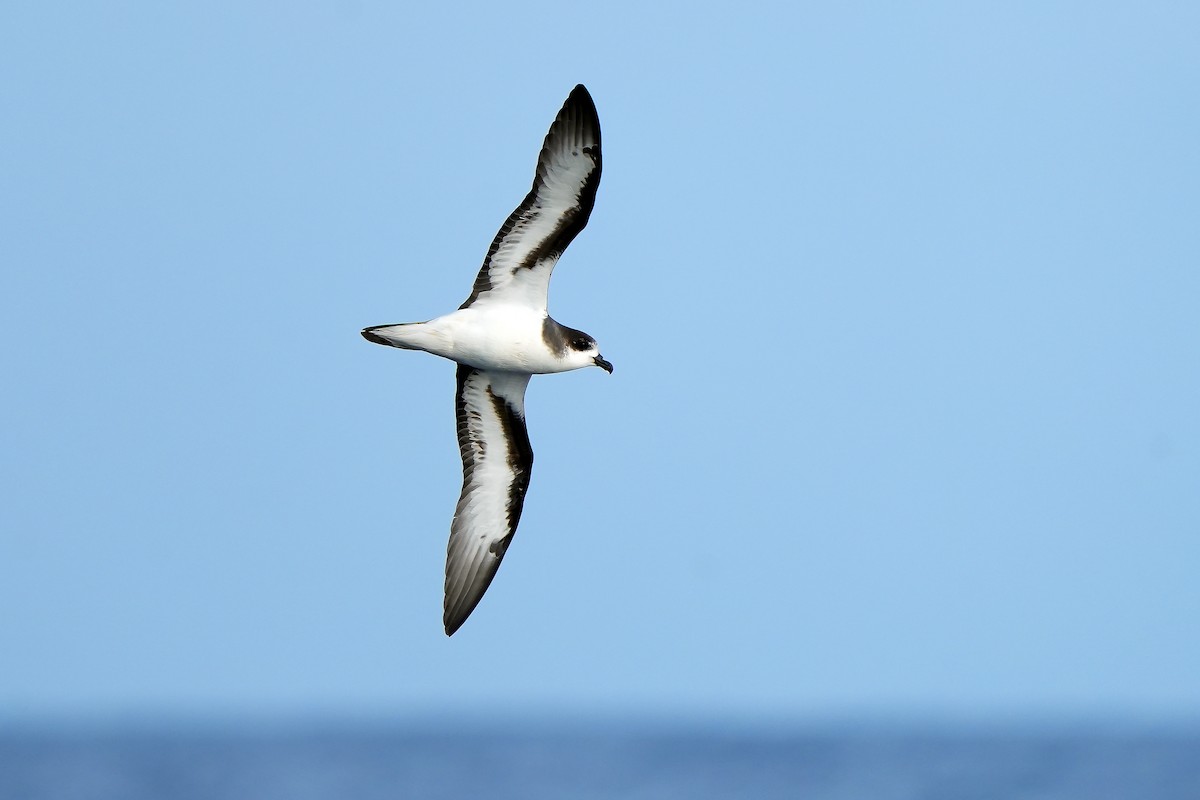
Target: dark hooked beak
<point>602,364</point>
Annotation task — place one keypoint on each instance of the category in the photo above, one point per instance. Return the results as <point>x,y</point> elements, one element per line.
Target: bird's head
<point>574,348</point>
<point>583,351</point>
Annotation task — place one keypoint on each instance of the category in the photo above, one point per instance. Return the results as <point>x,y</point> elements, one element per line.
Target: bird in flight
<point>500,337</point>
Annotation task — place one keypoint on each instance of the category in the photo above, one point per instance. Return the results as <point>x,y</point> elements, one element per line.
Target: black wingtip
<point>452,621</point>
<point>580,95</point>
<point>454,616</point>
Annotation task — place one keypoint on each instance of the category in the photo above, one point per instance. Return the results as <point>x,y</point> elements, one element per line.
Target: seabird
<point>500,337</point>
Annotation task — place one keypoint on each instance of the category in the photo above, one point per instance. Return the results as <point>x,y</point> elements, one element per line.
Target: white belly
<point>494,337</point>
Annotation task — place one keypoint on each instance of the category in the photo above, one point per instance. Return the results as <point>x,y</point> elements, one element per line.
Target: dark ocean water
<point>610,761</point>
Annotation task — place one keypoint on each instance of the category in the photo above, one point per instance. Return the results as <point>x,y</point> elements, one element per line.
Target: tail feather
<point>391,335</point>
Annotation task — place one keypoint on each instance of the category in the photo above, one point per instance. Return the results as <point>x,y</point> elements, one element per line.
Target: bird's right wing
<point>526,248</point>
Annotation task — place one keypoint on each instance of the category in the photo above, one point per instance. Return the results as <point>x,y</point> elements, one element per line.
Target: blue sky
<point>902,303</point>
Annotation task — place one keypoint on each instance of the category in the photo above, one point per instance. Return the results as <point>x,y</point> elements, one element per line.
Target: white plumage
<point>500,337</point>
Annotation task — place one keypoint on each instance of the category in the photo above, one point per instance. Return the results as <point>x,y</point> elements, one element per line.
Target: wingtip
<point>456,608</point>
<point>453,623</point>
<point>580,94</point>
<point>580,109</point>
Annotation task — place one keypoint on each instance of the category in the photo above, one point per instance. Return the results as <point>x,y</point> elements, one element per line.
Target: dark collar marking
<point>555,336</point>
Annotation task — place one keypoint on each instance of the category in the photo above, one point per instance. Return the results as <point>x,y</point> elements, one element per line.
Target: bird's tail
<point>405,335</point>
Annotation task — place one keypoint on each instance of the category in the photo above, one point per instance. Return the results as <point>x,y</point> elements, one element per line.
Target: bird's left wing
<point>497,460</point>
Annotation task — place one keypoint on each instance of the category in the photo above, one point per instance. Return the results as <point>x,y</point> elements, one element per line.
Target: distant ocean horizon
<point>626,758</point>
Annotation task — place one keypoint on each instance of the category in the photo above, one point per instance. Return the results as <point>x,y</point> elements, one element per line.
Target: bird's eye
<point>581,344</point>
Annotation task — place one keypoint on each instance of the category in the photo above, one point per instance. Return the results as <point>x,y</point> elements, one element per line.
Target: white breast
<point>498,337</point>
